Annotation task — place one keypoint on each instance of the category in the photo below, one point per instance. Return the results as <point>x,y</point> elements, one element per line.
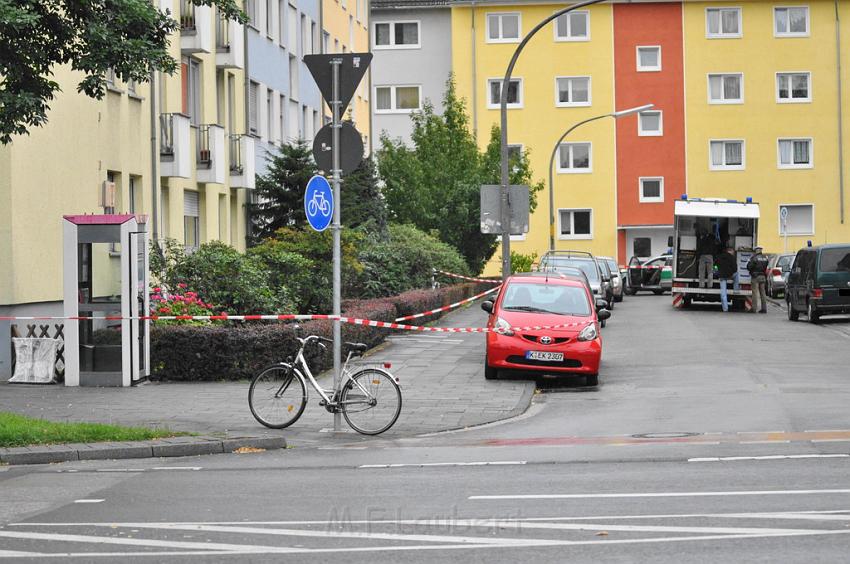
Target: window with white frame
<point>253,118</point>
<point>269,115</point>
<point>793,87</point>
<point>650,124</point>
<point>191,220</point>
<point>306,38</point>
<point>791,21</point>
<point>397,99</point>
<point>573,26</point>
<point>251,12</point>
<point>282,120</point>
<point>292,30</point>
<point>574,158</point>
<point>651,189</point>
<point>572,91</point>
<point>795,153</point>
<point>726,88</point>
<point>726,154</point>
<point>281,16</point>
<point>397,35</point>
<point>722,22</point>
<point>648,58</point>
<point>193,90</point>
<point>504,27</point>
<point>270,18</point>
<point>494,87</point>
<point>575,223</point>
<point>800,220</point>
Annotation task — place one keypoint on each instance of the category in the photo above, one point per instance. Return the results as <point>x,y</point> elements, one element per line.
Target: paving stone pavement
<point>441,376</point>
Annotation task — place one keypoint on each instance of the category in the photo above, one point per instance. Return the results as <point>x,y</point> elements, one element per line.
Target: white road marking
<point>418,465</point>
<point>766,457</point>
<point>176,468</point>
<point>120,469</point>
<point>89,500</point>
<point>660,494</point>
<point>763,442</point>
<point>830,440</point>
<point>826,431</point>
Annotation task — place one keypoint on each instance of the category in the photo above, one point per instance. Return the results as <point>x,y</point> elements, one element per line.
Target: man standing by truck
<point>706,247</point>
<point>757,267</point>
<point>727,268</point>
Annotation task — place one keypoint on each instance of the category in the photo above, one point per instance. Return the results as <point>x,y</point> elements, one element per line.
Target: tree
<point>363,205</point>
<point>280,192</point>
<point>129,36</point>
<point>435,184</point>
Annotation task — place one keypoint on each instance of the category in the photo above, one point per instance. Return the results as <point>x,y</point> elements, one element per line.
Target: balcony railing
<point>204,153</point>
<point>236,165</point>
<point>166,135</point>
<point>222,33</point>
<point>187,15</point>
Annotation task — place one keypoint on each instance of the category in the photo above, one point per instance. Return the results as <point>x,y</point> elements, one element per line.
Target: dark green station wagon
<point>819,282</point>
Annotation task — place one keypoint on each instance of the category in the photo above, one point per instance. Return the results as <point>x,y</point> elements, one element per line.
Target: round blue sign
<point>319,203</point>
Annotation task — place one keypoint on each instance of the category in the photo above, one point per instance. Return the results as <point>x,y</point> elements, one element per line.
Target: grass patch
<point>17,430</point>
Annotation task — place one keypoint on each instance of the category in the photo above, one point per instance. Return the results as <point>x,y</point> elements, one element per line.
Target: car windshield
<point>612,265</point>
<point>835,260</point>
<point>784,262</point>
<point>586,265</point>
<point>546,298</point>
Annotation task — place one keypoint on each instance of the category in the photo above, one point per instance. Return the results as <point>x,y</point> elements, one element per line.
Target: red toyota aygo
<point>539,299</point>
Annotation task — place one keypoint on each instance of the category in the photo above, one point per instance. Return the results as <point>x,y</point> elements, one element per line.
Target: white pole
<point>337,256</point>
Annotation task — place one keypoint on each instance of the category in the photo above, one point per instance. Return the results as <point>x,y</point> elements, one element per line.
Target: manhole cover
<point>673,435</point>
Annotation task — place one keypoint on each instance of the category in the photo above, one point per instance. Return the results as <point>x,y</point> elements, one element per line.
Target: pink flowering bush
<point>181,302</point>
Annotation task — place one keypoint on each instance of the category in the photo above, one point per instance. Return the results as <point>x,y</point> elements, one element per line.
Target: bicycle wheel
<point>277,396</point>
<point>371,401</point>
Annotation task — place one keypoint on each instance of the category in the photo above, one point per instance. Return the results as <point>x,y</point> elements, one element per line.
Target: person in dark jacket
<point>706,246</point>
<point>757,266</point>
<point>727,269</point>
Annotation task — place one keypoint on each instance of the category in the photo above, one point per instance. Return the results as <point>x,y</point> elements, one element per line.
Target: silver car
<point>778,268</point>
<point>616,278</point>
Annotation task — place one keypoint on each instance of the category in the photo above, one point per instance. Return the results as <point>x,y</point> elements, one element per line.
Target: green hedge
<point>237,352</point>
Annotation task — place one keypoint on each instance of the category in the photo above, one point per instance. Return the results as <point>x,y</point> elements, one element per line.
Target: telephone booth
<point>106,276</point>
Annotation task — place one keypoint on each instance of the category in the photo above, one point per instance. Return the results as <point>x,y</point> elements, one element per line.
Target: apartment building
<point>412,61</point>
<point>284,103</point>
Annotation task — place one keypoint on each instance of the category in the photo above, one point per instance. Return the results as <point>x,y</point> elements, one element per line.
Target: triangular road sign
<point>351,70</point>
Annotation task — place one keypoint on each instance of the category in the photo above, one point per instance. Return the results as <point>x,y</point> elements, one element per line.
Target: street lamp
<point>614,115</point>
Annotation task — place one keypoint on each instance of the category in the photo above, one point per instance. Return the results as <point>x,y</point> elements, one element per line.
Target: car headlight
<point>503,327</point>
<point>589,333</point>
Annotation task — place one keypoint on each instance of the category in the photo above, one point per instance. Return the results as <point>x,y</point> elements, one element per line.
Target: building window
<point>572,91</point>
<point>642,246</point>
<point>282,124</point>
<point>270,18</point>
<point>791,22</point>
<point>305,36</point>
<point>326,42</point>
<point>793,87</point>
<point>494,87</point>
<point>650,124</point>
<point>726,88</point>
<point>795,153</point>
<point>293,77</point>
<point>281,23</point>
<point>726,154</point>
<point>251,12</point>
<point>574,26</point>
<point>191,220</point>
<point>134,193</point>
<point>575,224</point>
<point>109,75</point>
<point>269,116</point>
<point>503,28</point>
<point>253,92</point>
<point>397,99</point>
<point>649,58</point>
<point>192,90</point>
<point>651,189</point>
<point>292,30</point>
<point>800,220</point>
<point>723,22</point>
<point>574,158</point>
<point>402,35</point>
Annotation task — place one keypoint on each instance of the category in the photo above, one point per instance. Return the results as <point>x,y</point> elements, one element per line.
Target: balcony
<point>174,146</point>
<point>241,161</point>
<point>229,44</point>
<point>209,154</point>
<point>195,28</point>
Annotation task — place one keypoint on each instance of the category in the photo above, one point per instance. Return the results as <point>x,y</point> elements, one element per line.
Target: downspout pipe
<point>474,78</point>
<point>154,159</point>
<point>840,116</point>
<point>249,196</point>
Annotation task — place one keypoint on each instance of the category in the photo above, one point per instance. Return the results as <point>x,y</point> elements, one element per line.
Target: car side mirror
<point>603,314</point>
<point>487,306</point>
<point>602,304</point>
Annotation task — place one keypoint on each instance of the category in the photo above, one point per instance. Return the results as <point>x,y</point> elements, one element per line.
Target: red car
<point>543,300</point>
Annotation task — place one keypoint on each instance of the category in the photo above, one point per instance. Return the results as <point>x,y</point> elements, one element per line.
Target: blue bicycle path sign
<point>319,203</point>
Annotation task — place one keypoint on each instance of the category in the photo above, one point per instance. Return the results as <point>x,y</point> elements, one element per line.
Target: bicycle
<point>369,398</point>
<point>318,204</point>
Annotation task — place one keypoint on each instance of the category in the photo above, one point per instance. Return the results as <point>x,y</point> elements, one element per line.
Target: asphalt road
<point>711,437</point>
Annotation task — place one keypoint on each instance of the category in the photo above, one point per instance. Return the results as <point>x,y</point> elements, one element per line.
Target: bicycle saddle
<point>357,347</point>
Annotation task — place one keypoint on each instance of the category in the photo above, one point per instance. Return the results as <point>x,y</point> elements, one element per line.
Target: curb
<point>173,446</point>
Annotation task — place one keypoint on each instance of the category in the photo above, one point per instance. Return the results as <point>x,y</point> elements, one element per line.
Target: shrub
<point>521,262</point>
<point>182,302</point>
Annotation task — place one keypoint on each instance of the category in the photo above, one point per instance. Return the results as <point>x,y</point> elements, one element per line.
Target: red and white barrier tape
<point>448,307</point>
<point>288,317</point>
<point>451,274</point>
<point>646,267</point>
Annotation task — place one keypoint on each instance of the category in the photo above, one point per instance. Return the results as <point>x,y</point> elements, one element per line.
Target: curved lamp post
<point>614,115</point>
<point>503,110</point>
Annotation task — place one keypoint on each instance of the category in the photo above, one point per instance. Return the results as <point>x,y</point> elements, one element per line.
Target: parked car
<point>778,268</point>
<point>617,278</point>
<point>654,275</point>
<point>608,281</point>
<point>557,260</point>
<point>540,300</point>
<point>819,282</point>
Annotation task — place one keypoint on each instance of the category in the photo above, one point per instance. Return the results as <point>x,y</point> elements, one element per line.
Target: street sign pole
<point>337,267</point>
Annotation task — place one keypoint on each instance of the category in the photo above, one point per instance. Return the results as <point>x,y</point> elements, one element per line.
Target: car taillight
<point>776,272</point>
<point>817,293</point>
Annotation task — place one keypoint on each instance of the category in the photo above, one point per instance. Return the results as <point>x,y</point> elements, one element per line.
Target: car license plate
<point>544,355</point>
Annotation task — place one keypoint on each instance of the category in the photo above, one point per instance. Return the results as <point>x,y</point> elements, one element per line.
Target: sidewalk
<point>441,376</point>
